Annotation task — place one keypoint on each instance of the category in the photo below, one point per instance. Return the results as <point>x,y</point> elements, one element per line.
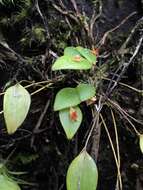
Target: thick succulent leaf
<point>70,126</point>
<point>16,106</point>
<point>8,184</point>
<point>71,51</point>
<point>141,142</point>
<point>85,91</point>
<point>67,62</point>
<point>66,98</point>
<point>82,173</point>
<point>87,53</point>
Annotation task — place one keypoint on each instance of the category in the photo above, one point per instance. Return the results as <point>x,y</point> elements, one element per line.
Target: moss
<point>16,9</point>
<point>35,34</point>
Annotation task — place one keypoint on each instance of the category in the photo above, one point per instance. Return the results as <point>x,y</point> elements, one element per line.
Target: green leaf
<point>141,142</point>
<point>70,126</point>
<point>66,98</point>
<point>8,184</point>
<point>71,51</point>
<point>67,62</point>
<point>87,53</point>
<point>86,91</point>
<point>69,97</point>
<point>16,106</point>
<point>82,173</point>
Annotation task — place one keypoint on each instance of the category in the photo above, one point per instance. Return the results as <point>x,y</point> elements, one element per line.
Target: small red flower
<point>73,114</point>
<point>77,58</point>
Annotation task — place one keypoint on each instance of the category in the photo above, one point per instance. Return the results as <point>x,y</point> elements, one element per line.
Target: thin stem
<point>113,150</point>
<point>125,66</point>
<point>126,85</point>
<point>117,145</point>
<point>30,85</point>
<point>39,90</point>
<point>126,117</point>
<point>95,122</point>
<point>102,41</point>
<point>39,83</point>
<point>116,135</point>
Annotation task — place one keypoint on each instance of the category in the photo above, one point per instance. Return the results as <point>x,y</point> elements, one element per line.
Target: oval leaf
<point>141,142</point>
<point>16,106</point>
<point>87,53</point>
<point>68,62</point>
<point>82,173</point>
<point>7,184</point>
<point>69,122</point>
<point>86,91</point>
<point>71,51</point>
<point>66,98</point>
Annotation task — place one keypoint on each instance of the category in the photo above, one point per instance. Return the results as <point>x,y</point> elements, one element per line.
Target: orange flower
<point>73,114</point>
<point>95,51</point>
<point>77,58</point>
